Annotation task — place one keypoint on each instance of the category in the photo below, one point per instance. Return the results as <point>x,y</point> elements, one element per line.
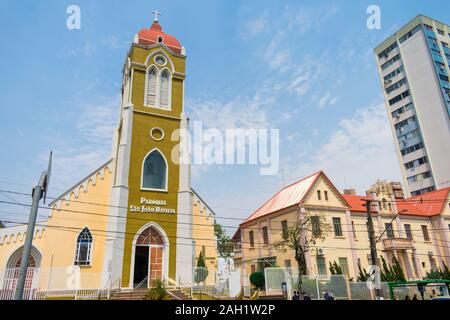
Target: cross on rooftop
<point>157,14</point>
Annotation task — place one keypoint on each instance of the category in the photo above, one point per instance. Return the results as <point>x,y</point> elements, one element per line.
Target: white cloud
<point>97,121</point>
<point>88,147</point>
<point>327,100</point>
<point>240,112</point>
<point>254,27</point>
<point>360,150</point>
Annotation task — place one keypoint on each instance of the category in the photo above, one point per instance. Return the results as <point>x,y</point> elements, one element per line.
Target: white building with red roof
<point>416,231</point>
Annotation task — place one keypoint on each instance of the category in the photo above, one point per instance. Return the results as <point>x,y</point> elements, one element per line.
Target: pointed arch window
<point>165,89</point>
<point>84,248</point>
<point>152,80</point>
<point>154,175</point>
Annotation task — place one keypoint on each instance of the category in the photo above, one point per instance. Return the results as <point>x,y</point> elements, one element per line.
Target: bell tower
<point>151,192</point>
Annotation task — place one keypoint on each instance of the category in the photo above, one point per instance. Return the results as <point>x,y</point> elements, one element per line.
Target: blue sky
<point>304,68</point>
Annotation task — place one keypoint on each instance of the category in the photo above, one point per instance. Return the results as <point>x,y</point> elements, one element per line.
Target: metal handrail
<point>139,286</point>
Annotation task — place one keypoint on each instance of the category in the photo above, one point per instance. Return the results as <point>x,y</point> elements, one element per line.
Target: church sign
<point>152,206</point>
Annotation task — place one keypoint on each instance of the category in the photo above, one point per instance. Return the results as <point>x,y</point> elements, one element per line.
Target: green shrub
<point>257,279</point>
<point>158,292</point>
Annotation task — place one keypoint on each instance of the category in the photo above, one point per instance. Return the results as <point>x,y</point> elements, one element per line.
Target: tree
<point>439,274</point>
<point>391,273</point>
<point>300,238</point>
<point>363,274</point>
<point>335,268</point>
<point>224,244</point>
<point>201,272</point>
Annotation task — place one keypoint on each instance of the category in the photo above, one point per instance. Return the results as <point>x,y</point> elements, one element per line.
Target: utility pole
<point>39,191</point>
<point>373,246</point>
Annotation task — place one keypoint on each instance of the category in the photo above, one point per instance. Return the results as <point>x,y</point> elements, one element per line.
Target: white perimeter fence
<point>55,282</point>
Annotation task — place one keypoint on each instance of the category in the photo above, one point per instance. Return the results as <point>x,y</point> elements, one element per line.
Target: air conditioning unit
<point>430,253</point>
<point>386,82</point>
<point>320,251</point>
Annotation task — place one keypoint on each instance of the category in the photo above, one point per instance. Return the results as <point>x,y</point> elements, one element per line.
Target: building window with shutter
<point>343,263</point>
<point>152,80</point>
<point>426,236</point>
<point>265,235</point>
<point>337,227</point>
<point>354,230</point>
<point>252,239</point>
<point>284,227</point>
<point>321,266</point>
<point>315,226</point>
<point>408,231</point>
<point>164,96</point>
<point>389,230</point>
<point>287,264</point>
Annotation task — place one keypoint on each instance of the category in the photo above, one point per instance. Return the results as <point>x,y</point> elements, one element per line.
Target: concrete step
<point>179,294</point>
<point>138,294</point>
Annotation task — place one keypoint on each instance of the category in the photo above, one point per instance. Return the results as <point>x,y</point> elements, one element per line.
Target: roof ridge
<point>280,191</point>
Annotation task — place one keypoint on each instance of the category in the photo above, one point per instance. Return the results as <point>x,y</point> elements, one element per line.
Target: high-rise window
<point>337,227</point>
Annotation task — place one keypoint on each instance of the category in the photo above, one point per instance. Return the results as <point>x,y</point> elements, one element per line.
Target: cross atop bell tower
<point>157,14</point>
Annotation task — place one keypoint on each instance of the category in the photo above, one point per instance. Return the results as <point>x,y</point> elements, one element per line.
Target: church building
<point>136,218</point>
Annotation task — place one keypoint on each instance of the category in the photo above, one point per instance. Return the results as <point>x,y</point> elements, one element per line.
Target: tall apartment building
<point>413,65</point>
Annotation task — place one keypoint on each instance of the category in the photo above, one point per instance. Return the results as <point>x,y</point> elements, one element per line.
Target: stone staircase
<point>137,294</point>
<point>179,294</point>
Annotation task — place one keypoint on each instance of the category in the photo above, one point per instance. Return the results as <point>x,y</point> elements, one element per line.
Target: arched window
<point>165,89</point>
<point>84,248</point>
<point>154,174</point>
<point>151,86</point>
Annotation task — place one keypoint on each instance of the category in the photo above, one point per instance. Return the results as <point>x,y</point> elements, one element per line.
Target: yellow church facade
<point>135,219</point>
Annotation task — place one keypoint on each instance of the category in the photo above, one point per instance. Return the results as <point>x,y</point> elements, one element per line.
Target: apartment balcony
<point>397,244</point>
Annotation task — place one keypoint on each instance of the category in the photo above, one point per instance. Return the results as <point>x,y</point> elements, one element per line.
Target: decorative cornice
<point>18,233</point>
<point>156,45</point>
<point>203,204</point>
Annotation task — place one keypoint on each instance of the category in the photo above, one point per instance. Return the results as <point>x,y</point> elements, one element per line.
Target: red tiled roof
<point>150,36</point>
<point>426,205</point>
<point>289,196</point>
<point>357,203</point>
